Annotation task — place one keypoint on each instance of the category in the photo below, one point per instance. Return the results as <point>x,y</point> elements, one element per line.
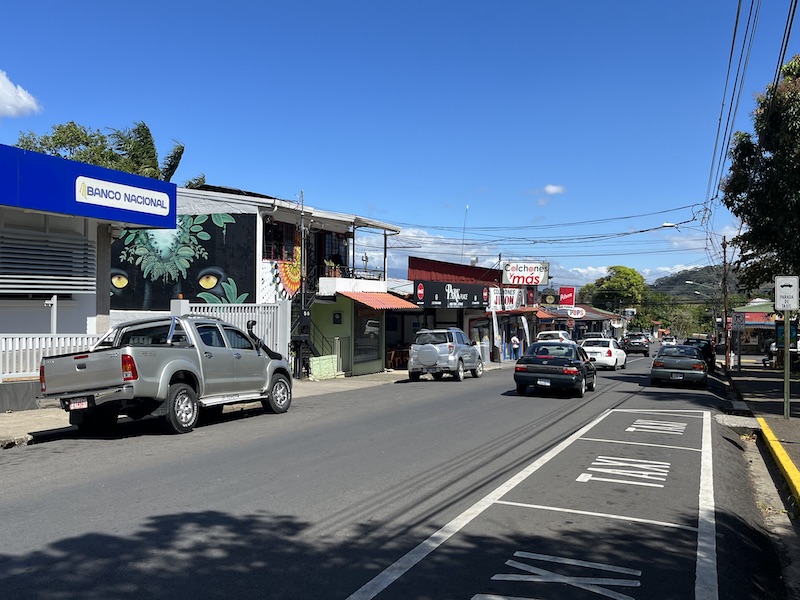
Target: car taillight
<point>129,372</point>
<point>450,348</point>
<point>609,353</point>
<point>570,370</point>
<point>41,379</point>
<point>520,367</point>
<point>658,363</point>
<point>699,367</point>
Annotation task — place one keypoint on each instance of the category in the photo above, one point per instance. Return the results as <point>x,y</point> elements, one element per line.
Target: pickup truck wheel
<point>182,409</point>
<point>414,376</point>
<point>280,395</point>
<point>438,376</point>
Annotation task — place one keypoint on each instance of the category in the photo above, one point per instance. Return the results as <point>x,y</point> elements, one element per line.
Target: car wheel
<point>478,370</point>
<point>414,376</point>
<point>625,363</point>
<point>580,392</point>
<point>521,389</point>
<point>182,409</point>
<point>616,365</point>
<point>458,375</point>
<point>280,395</point>
<point>591,387</point>
<point>438,376</point>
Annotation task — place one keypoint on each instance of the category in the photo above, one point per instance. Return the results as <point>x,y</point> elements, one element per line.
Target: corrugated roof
<point>380,300</point>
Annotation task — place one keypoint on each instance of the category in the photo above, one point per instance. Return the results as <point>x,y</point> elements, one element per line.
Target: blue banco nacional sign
<point>34,181</point>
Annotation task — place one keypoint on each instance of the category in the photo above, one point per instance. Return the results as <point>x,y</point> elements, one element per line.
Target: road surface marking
<point>627,443</point>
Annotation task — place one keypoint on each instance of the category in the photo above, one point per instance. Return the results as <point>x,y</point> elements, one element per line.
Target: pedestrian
<point>515,346</point>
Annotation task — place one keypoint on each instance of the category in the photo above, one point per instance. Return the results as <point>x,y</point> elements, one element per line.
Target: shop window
<point>366,334</point>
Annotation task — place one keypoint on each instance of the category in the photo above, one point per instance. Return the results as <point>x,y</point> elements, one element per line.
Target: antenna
<point>464,232</point>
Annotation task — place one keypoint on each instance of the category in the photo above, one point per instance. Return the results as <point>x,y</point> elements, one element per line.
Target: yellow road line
<point>785,464</point>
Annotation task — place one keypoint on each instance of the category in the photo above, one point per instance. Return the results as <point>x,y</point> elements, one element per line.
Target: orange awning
<point>380,300</point>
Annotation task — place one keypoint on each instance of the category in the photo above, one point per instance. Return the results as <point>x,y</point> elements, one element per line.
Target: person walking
<point>515,346</point>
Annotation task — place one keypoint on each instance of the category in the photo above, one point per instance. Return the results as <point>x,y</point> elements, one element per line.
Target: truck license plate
<point>543,382</point>
<point>78,403</point>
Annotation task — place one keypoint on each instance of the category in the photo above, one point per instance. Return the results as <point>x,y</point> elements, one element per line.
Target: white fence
<point>21,353</point>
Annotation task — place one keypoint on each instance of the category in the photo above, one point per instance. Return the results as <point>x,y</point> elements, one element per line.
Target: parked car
<point>607,353</point>
<point>679,364</point>
<point>555,366</point>
<point>636,343</point>
<point>559,336</point>
<point>669,340</point>
<point>707,350</point>
<point>440,351</point>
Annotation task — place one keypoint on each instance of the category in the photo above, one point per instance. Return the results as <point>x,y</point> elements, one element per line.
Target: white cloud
<point>551,189</point>
<point>15,101</point>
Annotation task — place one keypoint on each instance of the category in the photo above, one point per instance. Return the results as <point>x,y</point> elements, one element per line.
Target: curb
<point>785,465</point>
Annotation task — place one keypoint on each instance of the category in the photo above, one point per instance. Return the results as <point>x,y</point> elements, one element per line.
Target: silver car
<point>440,351</point>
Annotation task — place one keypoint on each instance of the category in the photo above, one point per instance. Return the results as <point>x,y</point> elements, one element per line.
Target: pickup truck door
<point>250,365</point>
<point>216,360</point>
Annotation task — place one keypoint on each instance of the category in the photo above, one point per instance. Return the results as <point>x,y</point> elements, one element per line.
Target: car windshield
<point>567,350</point>
<point>686,351</point>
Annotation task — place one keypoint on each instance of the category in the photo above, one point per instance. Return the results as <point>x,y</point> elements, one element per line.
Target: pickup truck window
<point>145,336</point>
<point>237,340</point>
<point>210,336</point>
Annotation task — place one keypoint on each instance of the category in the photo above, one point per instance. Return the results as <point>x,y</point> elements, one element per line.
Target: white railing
<point>21,353</point>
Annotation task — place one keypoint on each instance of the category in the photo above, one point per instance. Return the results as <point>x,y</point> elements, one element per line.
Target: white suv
<point>553,336</point>
<point>440,351</point>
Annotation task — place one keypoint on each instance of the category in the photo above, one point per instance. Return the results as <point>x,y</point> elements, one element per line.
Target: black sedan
<point>559,366</point>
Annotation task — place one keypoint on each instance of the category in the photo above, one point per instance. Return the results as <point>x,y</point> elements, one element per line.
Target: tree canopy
<point>762,187</point>
<point>130,150</point>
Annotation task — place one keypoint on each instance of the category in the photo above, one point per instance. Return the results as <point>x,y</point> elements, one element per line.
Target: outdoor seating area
<point>396,358</point>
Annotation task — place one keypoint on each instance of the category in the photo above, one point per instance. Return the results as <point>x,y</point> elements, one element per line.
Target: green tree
<point>623,287</point>
<point>586,294</point>
<point>130,150</point>
<point>762,187</point>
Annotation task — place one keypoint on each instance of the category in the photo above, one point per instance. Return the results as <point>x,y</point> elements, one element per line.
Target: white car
<point>553,336</point>
<point>606,352</point>
<point>669,340</point>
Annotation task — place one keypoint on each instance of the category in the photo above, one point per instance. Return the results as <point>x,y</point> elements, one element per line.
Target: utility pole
<point>725,303</point>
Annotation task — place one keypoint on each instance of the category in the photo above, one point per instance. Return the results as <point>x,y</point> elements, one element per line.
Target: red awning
<point>380,300</point>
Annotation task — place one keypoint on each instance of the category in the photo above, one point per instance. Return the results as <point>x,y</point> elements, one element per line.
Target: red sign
<point>420,291</point>
<point>566,296</point>
<point>485,294</point>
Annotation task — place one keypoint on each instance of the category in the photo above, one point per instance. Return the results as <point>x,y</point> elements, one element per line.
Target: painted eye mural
<point>119,281</point>
<point>207,258</point>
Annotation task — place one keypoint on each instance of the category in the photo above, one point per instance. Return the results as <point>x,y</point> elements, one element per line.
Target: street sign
<point>786,292</point>
<point>738,321</point>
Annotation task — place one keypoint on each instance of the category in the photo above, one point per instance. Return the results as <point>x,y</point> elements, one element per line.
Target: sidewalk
<point>761,390</point>
<point>25,427</point>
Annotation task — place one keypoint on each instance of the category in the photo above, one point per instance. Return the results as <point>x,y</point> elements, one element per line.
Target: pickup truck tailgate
<point>90,370</point>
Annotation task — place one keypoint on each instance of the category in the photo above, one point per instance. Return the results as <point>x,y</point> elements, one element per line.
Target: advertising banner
<point>505,298</point>
<point>566,296</point>
<point>439,294</point>
<point>526,273</point>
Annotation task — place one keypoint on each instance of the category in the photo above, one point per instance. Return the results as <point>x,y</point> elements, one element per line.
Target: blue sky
<point>565,128</point>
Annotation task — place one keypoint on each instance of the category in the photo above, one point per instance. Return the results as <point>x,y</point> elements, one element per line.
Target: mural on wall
<point>207,258</point>
<point>285,276</point>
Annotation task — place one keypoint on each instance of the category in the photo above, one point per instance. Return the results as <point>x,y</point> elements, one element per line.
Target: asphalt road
<point>433,489</point>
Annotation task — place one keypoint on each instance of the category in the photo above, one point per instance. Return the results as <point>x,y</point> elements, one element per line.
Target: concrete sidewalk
<point>760,389</point>
<point>24,427</point>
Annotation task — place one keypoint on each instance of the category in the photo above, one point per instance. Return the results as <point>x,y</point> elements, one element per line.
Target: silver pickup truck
<point>170,367</point>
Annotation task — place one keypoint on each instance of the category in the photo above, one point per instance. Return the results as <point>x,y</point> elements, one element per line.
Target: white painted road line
<point>393,572</point>
<point>706,586</point>
<point>626,443</point>
<point>601,515</point>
